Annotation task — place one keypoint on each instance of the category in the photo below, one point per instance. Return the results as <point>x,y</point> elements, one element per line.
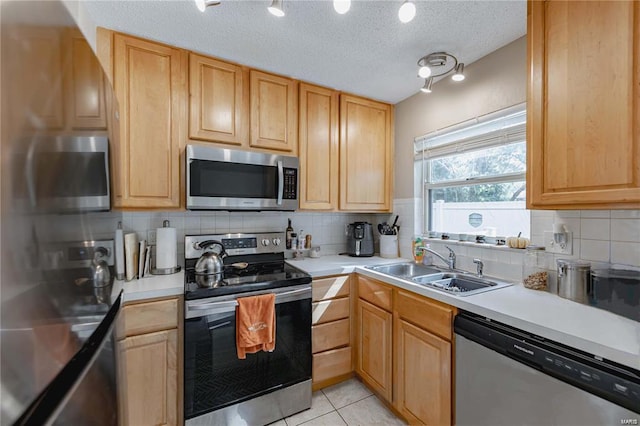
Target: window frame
<point>499,136</point>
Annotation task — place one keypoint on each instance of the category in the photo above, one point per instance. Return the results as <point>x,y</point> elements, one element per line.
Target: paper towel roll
<point>166,247</point>
<point>119,249</point>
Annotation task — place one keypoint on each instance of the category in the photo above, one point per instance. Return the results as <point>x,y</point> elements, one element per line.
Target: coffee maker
<point>360,239</point>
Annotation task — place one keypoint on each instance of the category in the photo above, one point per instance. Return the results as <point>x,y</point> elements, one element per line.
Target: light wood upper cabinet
<point>37,68</point>
<point>366,154</point>
<point>148,379</point>
<point>150,83</point>
<point>218,101</point>
<point>318,148</point>
<point>274,112</point>
<point>85,94</point>
<point>583,135</point>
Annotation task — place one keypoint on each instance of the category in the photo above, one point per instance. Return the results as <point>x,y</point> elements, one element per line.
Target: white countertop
<point>150,288</point>
<point>337,264</point>
<point>584,327</point>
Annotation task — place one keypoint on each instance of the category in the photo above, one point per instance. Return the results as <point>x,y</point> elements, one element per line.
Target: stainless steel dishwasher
<point>505,376</point>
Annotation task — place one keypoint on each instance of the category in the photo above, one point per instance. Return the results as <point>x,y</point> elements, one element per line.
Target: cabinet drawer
<point>428,314</point>
<point>329,288</point>
<point>147,317</point>
<point>375,292</point>
<point>330,335</point>
<point>330,364</point>
<point>330,310</point>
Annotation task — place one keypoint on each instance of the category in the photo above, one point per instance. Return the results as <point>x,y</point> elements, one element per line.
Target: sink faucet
<point>479,267</point>
<point>451,261</point>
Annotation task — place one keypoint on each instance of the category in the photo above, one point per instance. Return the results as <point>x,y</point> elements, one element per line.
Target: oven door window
<point>216,378</point>
<point>232,180</point>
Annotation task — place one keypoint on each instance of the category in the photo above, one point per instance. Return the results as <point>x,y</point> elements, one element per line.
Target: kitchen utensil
<point>210,262</point>
<point>395,222</point>
<point>240,265</point>
<point>574,277</point>
<point>100,269</point>
<point>381,229</point>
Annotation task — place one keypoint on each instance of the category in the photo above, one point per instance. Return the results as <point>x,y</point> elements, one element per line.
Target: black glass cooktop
<point>262,272</point>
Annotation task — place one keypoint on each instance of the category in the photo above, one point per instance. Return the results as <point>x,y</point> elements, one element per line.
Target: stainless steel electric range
<point>219,388</point>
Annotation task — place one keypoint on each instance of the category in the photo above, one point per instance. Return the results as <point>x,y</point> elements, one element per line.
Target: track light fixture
<point>407,11</point>
<point>427,85</point>
<point>459,74</point>
<point>438,64</point>
<point>203,4</point>
<point>276,8</point>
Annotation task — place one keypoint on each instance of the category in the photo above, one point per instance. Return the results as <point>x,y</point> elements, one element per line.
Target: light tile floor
<point>348,403</point>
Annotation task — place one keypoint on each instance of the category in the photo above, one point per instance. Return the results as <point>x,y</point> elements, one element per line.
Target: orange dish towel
<point>255,324</point>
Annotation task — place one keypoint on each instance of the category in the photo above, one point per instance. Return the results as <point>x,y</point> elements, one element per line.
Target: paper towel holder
<point>165,271</point>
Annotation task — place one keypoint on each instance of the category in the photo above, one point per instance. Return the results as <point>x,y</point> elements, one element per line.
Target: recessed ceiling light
<point>342,6</point>
<point>407,11</point>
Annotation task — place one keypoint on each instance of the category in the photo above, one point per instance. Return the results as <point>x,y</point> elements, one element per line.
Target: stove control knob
<point>276,241</point>
<point>265,242</point>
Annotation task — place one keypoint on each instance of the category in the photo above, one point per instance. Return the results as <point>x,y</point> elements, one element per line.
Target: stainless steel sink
<point>459,284</point>
<point>405,270</point>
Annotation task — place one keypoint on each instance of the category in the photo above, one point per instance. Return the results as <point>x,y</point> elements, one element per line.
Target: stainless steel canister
<point>573,279</point>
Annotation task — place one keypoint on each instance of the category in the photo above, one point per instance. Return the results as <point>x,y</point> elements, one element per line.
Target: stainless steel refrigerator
<point>56,351</point>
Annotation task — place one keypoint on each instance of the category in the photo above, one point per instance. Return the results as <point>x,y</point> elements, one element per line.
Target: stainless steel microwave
<point>65,174</point>
<point>227,179</point>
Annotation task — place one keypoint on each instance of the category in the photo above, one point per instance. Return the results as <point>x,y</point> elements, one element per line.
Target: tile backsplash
<point>326,228</point>
<point>601,237</point>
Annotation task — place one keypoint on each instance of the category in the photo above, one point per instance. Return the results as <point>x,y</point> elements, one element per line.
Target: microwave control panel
<point>290,184</point>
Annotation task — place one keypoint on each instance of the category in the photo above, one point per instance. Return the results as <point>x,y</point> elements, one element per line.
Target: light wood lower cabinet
<point>423,359</point>
<point>331,330</point>
<point>148,387</point>
<point>149,366</point>
<point>374,348</point>
<point>404,351</point>
<point>423,375</point>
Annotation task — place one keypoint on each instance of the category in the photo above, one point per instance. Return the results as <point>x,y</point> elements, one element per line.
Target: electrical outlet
<point>552,247</point>
<point>151,237</point>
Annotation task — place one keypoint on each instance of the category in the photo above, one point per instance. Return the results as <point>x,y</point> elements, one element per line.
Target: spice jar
<point>534,271</point>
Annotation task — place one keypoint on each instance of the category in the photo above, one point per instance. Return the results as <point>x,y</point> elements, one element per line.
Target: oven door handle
<point>230,305</point>
<point>280,183</point>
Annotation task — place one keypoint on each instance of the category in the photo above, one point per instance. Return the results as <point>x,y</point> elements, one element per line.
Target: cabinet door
<point>583,118</point>
<point>218,101</point>
<point>36,69</point>
<point>423,375</point>
<point>150,83</point>
<point>374,347</point>
<point>84,92</point>
<point>318,147</point>
<point>366,154</point>
<point>274,112</point>
<point>148,379</point>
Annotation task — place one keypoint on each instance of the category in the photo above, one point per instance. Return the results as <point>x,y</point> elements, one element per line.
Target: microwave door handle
<point>280,183</point>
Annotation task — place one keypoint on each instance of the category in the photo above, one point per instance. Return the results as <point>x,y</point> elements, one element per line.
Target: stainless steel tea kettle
<point>209,267</point>
<point>100,269</point>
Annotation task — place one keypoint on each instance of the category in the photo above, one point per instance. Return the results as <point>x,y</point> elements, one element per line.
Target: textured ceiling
<point>368,51</point>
